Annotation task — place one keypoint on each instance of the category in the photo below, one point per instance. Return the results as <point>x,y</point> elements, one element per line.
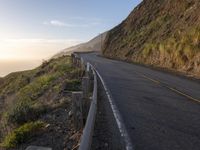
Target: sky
<point>37,29</point>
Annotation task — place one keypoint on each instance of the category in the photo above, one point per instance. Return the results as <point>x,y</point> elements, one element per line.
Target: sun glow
<point>28,49</point>
<point>6,56</point>
<point>6,53</point>
<point>23,54</point>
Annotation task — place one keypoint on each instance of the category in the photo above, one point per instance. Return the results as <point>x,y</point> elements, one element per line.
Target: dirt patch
<point>59,133</point>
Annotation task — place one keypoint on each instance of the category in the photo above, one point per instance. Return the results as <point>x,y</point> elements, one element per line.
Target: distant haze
<point>92,45</point>
<point>8,66</point>
<point>23,54</point>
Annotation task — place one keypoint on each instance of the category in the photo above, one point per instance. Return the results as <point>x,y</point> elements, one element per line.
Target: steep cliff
<point>164,33</point>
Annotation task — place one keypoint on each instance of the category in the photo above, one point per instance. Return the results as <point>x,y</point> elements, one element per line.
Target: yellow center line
<point>186,95</point>
<point>172,89</point>
<point>155,81</point>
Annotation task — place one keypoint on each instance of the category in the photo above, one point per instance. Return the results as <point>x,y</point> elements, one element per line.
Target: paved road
<point>160,111</point>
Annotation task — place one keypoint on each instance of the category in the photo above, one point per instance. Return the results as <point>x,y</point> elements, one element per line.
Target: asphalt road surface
<point>160,111</point>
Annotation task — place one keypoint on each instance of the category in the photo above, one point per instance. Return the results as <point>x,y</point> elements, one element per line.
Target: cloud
<point>57,23</point>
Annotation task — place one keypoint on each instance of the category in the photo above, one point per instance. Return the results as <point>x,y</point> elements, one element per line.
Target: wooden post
<point>77,98</point>
<point>73,59</point>
<point>85,86</point>
<point>91,77</point>
<point>76,61</point>
<point>82,64</point>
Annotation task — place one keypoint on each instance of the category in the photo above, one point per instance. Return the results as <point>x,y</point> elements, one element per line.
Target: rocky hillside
<point>35,106</point>
<point>163,33</point>
<point>92,45</point>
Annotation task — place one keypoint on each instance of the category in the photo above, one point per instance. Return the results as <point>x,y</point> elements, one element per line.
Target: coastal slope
<point>162,33</point>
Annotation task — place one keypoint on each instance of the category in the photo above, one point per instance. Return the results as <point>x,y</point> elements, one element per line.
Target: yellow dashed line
<point>181,93</point>
<point>172,89</point>
<point>155,81</point>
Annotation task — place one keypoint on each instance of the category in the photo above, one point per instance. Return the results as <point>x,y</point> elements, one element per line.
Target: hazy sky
<point>37,29</point>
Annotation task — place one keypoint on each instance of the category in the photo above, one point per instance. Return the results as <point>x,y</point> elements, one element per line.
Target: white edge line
<point>118,118</point>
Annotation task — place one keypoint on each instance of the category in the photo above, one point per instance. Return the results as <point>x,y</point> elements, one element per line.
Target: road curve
<point>160,111</point>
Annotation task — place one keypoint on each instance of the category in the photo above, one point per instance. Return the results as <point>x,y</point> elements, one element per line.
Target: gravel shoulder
<point>106,133</point>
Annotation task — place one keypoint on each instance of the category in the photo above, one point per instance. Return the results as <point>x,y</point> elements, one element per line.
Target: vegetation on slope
<point>22,133</point>
<point>164,33</point>
<point>25,97</point>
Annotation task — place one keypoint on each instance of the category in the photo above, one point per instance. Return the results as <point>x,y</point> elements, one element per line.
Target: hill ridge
<point>92,45</point>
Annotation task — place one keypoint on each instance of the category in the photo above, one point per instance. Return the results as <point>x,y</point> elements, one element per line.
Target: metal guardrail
<point>86,138</point>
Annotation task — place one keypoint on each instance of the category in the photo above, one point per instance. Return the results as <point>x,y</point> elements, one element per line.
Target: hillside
<point>1,80</point>
<point>35,105</point>
<point>92,45</point>
<point>162,33</point>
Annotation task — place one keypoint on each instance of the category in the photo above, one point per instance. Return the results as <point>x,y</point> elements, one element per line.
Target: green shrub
<point>24,111</point>
<point>62,65</point>
<point>20,112</point>
<point>36,87</point>
<point>22,134</point>
<point>14,83</point>
<point>57,88</point>
<point>72,85</point>
<point>75,73</point>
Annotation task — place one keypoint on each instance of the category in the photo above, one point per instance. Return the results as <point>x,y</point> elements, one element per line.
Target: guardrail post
<point>86,100</point>
<point>77,98</point>
<point>85,87</point>
<point>87,72</point>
